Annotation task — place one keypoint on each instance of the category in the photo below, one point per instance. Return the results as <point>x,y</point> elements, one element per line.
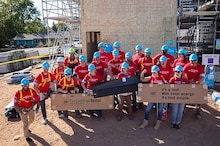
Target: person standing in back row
<point>24,101</point>
<point>195,74</point>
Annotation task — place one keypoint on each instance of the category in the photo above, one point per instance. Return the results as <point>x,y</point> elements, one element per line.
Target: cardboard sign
<point>210,59</point>
<point>172,93</point>
<point>80,102</point>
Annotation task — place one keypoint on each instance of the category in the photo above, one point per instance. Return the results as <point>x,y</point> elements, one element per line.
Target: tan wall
<point>129,21</point>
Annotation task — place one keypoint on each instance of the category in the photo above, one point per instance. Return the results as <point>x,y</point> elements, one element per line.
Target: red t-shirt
<point>104,56</point>
<point>91,80</point>
<point>133,68</point>
<point>175,80</point>
<point>166,72</point>
<point>170,58</point>
<point>59,73</point>
<point>100,67</point>
<point>24,99</point>
<point>43,81</point>
<point>115,70</point>
<point>145,63</point>
<point>110,56</point>
<point>136,57</point>
<point>122,75</point>
<point>121,55</point>
<point>193,72</point>
<point>157,80</point>
<point>65,84</point>
<point>81,71</point>
<point>181,62</point>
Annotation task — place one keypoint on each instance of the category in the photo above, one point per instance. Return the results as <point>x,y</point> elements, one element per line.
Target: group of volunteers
<point>74,75</point>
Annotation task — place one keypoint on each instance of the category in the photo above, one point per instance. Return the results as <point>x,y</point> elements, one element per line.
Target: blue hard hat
<point>45,64</point>
<point>170,42</point>
<point>163,58</point>
<point>148,50</point>
<point>25,81</point>
<point>108,48</point>
<point>128,55</point>
<point>101,44</point>
<point>193,57</point>
<point>96,54</point>
<point>91,67</point>
<point>182,51</point>
<point>138,47</point>
<point>178,68</point>
<point>164,47</point>
<point>115,52</point>
<point>155,68</point>
<point>68,71</point>
<point>116,44</point>
<point>82,58</point>
<point>124,65</point>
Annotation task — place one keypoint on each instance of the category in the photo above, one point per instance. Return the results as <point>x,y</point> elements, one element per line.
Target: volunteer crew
<point>146,62</point>
<point>155,78</point>
<point>124,96</point>
<point>72,61</point>
<point>59,70</point>
<point>195,74</point>
<point>114,65</point>
<point>24,101</point>
<point>42,87</point>
<point>177,108</point>
<point>89,80</point>
<point>139,54</point>
<point>121,55</point>
<point>181,60</point>
<point>65,86</point>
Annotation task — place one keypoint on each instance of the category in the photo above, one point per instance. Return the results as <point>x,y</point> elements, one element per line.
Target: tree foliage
<point>18,16</point>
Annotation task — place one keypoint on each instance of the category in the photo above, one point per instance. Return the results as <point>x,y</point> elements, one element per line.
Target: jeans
<point>177,112</point>
<point>159,111</point>
<point>43,109</point>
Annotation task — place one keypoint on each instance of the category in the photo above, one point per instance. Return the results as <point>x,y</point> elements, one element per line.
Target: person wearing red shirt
<point>181,60</point>
<point>114,65</point>
<point>24,101</point>
<point>155,78</point>
<point>42,87</point>
<point>101,66</point>
<point>195,74</point>
<point>103,54</point>
<point>170,58</point>
<point>59,70</point>
<point>121,55</point>
<point>146,62</point>
<point>139,54</point>
<point>72,61</point>
<point>67,85</point>
<point>124,96</point>
<point>81,71</point>
<point>177,108</point>
<point>108,50</point>
<point>89,80</point>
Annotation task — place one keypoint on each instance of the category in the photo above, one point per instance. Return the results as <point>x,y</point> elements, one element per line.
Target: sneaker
<point>28,139</point>
<point>144,124</point>
<point>45,122</point>
<point>173,126</point>
<point>177,126</point>
<point>164,116</point>
<point>61,115</point>
<point>157,125</point>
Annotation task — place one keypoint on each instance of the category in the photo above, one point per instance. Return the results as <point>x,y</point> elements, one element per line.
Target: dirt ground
<point>75,132</point>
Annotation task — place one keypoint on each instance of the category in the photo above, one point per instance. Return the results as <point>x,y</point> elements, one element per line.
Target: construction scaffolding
<point>67,14</point>
<point>197,25</point>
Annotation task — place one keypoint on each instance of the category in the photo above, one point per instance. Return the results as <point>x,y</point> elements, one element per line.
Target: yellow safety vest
<point>43,82</point>
<point>67,85</point>
<point>21,95</point>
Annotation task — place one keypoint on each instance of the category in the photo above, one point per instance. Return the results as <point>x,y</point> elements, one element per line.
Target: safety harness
<point>43,82</point>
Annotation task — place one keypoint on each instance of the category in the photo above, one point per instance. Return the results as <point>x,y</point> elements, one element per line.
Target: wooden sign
<point>172,93</point>
<point>80,102</point>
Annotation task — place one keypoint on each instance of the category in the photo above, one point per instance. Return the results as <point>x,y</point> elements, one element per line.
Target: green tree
<point>18,16</point>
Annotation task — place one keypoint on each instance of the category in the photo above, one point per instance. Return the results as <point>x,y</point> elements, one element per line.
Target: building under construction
<point>193,24</point>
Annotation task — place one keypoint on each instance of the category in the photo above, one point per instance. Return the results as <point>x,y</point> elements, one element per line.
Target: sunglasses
<point>178,71</point>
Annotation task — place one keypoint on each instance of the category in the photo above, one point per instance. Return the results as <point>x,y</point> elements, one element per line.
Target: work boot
<point>28,139</point>
<point>144,124</point>
<point>157,125</point>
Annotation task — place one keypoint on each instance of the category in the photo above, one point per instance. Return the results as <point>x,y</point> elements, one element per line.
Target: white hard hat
<point>60,59</point>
